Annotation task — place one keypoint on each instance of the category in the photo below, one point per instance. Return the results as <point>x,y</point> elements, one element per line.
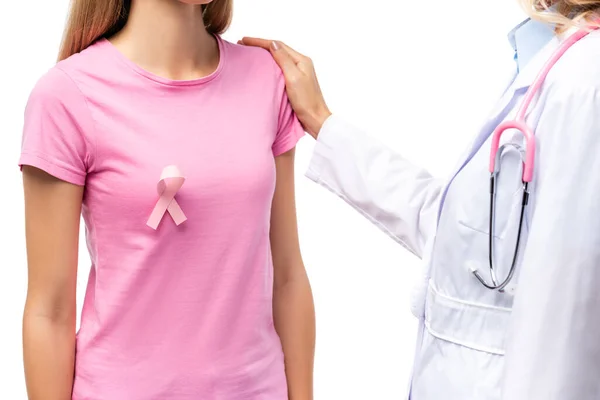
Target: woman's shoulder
<point>55,86</point>
<point>67,75</point>
<point>254,60</point>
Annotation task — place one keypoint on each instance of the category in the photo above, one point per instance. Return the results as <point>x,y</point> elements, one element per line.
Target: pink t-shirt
<point>184,311</point>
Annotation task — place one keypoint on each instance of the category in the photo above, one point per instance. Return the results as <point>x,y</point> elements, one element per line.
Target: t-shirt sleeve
<point>289,129</point>
<point>56,129</point>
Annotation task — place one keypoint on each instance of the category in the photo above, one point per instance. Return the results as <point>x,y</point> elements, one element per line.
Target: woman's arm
<point>292,297</point>
<point>52,214</point>
<point>399,197</point>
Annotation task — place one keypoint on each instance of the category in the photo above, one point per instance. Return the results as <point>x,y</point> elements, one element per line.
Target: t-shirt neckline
<point>162,80</point>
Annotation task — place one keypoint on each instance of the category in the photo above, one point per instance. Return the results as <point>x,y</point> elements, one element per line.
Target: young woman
<point>532,337</point>
<point>177,148</point>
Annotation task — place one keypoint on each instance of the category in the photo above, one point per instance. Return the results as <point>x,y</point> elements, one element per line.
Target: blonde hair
<point>90,20</point>
<point>563,13</point>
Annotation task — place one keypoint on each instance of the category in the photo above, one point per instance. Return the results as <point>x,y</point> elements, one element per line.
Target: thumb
<point>284,59</point>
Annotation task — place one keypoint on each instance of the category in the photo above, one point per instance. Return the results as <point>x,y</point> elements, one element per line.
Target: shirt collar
<point>527,39</point>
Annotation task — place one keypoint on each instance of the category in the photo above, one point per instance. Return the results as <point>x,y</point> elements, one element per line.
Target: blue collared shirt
<point>527,38</point>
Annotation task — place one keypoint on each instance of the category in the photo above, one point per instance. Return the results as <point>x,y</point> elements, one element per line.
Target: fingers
<point>256,42</point>
<point>285,60</point>
<point>273,45</point>
<point>293,53</point>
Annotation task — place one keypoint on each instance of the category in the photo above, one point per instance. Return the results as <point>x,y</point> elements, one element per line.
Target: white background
<point>420,76</point>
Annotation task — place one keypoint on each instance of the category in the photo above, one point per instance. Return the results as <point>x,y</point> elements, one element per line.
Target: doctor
<point>510,304</point>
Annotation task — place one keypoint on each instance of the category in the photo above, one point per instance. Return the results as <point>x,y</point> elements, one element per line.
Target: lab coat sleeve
<point>397,196</point>
<point>553,344</point>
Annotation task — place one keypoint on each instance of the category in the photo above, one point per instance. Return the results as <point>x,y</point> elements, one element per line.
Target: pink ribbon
<point>170,182</point>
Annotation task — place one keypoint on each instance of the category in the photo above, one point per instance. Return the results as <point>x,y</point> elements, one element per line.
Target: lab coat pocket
<point>509,192</point>
<point>506,217</point>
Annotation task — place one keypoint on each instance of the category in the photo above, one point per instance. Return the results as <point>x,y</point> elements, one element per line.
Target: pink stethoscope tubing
<point>528,162</point>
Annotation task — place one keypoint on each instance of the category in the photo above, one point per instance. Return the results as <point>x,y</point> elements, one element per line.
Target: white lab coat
<point>541,339</point>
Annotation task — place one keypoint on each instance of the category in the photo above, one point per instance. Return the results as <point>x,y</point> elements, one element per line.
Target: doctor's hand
<point>302,86</point>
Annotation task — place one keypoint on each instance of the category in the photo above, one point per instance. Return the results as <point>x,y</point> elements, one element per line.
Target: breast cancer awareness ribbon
<point>170,182</point>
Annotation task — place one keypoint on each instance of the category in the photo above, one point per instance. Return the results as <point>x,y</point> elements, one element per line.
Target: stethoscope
<point>527,159</point>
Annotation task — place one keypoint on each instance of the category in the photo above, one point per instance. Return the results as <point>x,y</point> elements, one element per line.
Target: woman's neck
<point>168,38</point>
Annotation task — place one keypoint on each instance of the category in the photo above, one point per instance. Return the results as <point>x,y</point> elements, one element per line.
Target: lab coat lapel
<point>510,98</point>
<point>504,106</point>
<point>494,119</point>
